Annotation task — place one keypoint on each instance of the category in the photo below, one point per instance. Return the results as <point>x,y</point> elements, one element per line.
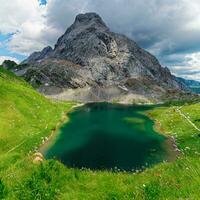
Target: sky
<point>169,29</point>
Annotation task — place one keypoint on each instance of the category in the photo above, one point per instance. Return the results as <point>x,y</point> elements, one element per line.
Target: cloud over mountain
<point>169,29</point>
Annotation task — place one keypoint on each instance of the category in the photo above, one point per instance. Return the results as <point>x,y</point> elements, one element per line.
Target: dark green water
<point>107,136</point>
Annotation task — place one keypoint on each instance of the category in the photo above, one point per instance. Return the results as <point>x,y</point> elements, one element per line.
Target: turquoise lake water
<point>104,136</point>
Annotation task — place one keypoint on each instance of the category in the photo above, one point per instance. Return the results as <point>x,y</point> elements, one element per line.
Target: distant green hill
<point>9,64</point>
<point>24,112</point>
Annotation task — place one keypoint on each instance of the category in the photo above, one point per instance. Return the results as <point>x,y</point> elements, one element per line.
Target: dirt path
<point>16,146</point>
<point>184,116</point>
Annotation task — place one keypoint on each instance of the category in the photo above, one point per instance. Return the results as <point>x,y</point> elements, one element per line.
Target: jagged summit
<point>86,21</point>
<point>87,37</point>
<point>89,18</point>
<point>98,65</point>
<point>35,56</point>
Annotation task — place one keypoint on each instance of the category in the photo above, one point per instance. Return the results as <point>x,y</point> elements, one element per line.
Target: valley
<point>27,118</point>
<point>97,116</point>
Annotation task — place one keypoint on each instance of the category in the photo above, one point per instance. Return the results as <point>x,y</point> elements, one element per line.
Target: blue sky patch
<point>3,47</point>
<point>43,2</point>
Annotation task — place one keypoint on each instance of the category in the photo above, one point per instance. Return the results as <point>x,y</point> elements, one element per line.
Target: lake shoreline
<point>54,133</point>
<point>148,125</point>
<point>170,144</point>
<point>173,151</point>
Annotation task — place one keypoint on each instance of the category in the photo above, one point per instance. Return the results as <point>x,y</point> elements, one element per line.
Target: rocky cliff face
<point>38,55</point>
<point>91,63</point>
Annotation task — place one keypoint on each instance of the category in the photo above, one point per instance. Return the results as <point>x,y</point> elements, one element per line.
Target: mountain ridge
<point>192,85</point>
<point>105,65</point>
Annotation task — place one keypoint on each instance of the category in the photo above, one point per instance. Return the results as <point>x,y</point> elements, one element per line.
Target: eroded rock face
<point>35,56</point>
<point>92,58</point>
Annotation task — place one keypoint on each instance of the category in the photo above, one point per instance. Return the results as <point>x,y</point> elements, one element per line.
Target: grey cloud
<point>163,27</point>
<point>169,29</point>
<point>186,72</point>
<point>174,59</point>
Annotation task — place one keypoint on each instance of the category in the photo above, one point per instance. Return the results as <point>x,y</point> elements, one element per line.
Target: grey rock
<point>39,55</point>
<point>189,83</point>
<point>192,85</point>
<point>89,55</point>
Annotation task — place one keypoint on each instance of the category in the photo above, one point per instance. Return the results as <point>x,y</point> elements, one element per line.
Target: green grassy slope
<point>26,116</point>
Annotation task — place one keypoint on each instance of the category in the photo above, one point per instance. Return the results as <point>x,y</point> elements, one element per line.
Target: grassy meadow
<point>26,117</point>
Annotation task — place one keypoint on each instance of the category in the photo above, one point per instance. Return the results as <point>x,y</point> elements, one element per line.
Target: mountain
<point>194,86</point>
<point>38,55</point>
<point>91,63</point>
<point>189,83</point>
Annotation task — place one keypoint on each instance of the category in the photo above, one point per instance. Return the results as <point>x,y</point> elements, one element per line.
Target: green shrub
<point>44,183</point>
<point>152,190</point>
<point>3,190</point>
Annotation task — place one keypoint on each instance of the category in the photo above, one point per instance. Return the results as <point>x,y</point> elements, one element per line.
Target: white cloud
<point>190,69</point>
<point>25,19</point>
<point>15,13</point>
<point>29,38</point>
<point>168,25</point>
<point>194,59</point>
<point>2,58</point>
<point>186,72</point>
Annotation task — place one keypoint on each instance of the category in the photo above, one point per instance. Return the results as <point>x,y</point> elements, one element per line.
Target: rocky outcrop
<point>36,56</point>
<point>9,64</point>
<point>97,65</point>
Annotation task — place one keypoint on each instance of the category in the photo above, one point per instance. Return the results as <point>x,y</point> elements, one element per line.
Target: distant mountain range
<point>91,63</point>
<point>189,83</point>
<point>194,86</point>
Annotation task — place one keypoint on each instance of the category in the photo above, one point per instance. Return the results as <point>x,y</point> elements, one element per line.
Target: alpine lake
<point>105,136</point>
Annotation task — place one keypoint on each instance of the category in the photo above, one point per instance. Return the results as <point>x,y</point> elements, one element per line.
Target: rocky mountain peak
<point>88,37</point>
<point>89,19</point>
<point>100,64</point>
<point>38,55</point>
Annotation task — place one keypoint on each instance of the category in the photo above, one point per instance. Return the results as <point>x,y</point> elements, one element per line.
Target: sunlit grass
<point>26,117</point>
